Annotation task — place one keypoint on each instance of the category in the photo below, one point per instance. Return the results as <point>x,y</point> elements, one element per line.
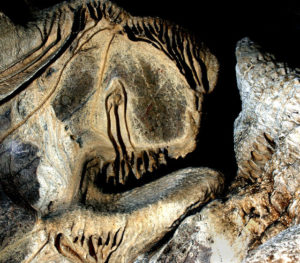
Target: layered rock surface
<point>93,99</point>
<point>93,102</point>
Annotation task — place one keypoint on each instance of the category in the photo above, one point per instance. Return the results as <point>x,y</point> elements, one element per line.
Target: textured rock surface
<point>200,238</point>
<point>91,100</point>
<point>264,198</point>
<point>285,248</point>
<point>267,133</point>
<point>205,237</point>
<point>123,228</point>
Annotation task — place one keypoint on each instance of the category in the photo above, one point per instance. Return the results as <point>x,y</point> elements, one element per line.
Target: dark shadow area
<point>275,26</point>
<point>18,11</point>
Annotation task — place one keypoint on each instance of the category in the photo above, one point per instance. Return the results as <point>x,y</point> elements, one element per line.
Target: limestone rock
<point>119,231</point>
<point>205,237</point>
<point>264,198</point>
<point>267,132</point>
<point>285,248</point>
<point>92,100</point>
<point>200,238</point>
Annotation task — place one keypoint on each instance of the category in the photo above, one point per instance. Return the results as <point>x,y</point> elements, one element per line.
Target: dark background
<point>221,24</point>
<point>275,25</point>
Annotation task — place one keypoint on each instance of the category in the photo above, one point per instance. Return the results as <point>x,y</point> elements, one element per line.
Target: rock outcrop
<point>285,248</point>
<point>93,102</point>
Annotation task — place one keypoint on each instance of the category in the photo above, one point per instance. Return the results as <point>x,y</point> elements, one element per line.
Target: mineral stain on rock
<point>129,105</point>
<point>157,104</point>
<point>19,191</point>
<point>77,84</point>
<point>5,118</point>
<point>10,217</point>
<point>160,112</point>
<point>18,166</point>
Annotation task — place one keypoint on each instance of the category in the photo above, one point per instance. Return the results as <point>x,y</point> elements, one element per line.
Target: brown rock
<point>91,100</point>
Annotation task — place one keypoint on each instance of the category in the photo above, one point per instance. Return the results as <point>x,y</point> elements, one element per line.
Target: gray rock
<point>284,248</point>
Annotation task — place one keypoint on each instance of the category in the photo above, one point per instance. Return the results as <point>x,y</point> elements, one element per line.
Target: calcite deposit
<point>285,248</point>
<point>93,101</point>
<point>264,198</point>
<point>94,104</point>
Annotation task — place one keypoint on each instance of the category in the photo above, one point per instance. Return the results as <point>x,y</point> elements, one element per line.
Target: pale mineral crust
<point>92,102</point>
<point>122,229</point>
<point>267,135</point>
<point>264,198</point>
<point>283,248</point>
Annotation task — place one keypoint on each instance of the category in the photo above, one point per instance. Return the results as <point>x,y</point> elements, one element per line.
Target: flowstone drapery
<point>91,100</point>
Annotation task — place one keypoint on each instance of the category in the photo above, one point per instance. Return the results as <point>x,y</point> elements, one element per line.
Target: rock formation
<point>92,100</point>
<point>285,247</point>
<point>264,198</point>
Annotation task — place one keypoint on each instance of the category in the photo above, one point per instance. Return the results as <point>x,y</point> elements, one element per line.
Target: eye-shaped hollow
<point>92,93</point>
<point>140,97</point>
<point>146,107</point>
